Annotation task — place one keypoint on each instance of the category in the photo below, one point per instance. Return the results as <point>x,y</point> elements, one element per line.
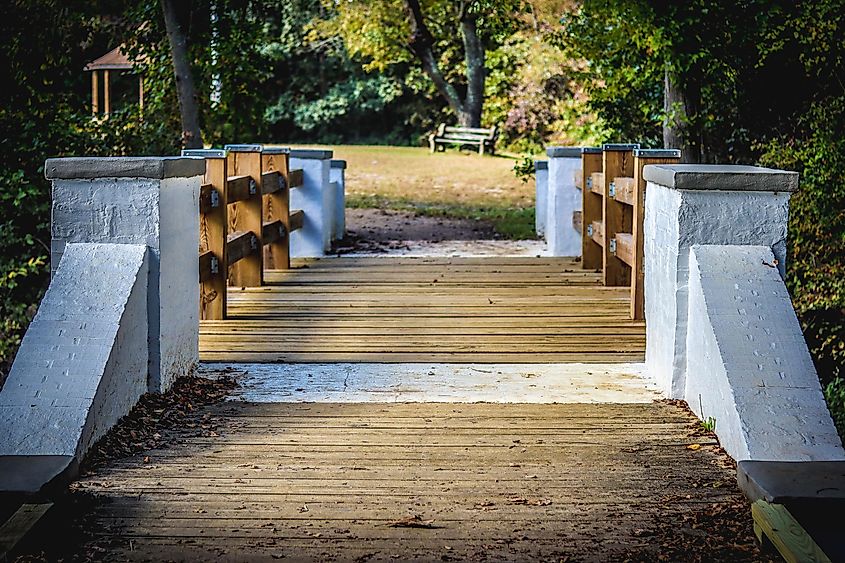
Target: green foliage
<point>834,393</point>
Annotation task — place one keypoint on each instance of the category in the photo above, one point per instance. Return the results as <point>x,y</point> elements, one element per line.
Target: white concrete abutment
<point>721,331</point>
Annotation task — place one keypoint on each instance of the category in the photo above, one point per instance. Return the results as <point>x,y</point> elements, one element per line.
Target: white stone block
<point>83,362</point>
<point>337,174</point>
<point>314,199</point>
<point>541,198</point>
<point>695,209</point>
<point>149,201</point>
<point>747,364</point>
<point>564,199</point>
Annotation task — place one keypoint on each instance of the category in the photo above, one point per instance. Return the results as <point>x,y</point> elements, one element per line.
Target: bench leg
<point>431,144</point>
<point>481,149</point>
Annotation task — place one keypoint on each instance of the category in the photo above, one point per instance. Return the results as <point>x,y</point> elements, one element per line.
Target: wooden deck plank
<point>593,479</point>
<point>486,310</point>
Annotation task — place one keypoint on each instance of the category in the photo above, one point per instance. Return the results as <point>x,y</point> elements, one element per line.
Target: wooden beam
<point>791,540</point>
<point>296,219</point>
<point>95,93</point>
<point>597,183</point>
<point>19,524</point>
<point>273,232</point>
<point>248,216</point>
<point>106,93</point>
<point>617,217</point>
<point>272,182</point>
<point>596,232</point>
<point>579,179</point>
<point>241,245</point>
<point>577,220</point>
<point>638,216</point>
<point>624,190</point>
<point>214,228</point>
<point>625,247</point>
<point>591,211</point>
<point>241,188</point>
<point>296,178</point>
<point>209,266</point>
<point>276,208</point>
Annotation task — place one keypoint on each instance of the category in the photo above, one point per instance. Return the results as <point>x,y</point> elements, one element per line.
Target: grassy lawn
<point>450,184</point>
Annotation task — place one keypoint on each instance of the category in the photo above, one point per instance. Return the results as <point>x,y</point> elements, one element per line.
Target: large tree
<point>185,89</point>
<point>447,39</point>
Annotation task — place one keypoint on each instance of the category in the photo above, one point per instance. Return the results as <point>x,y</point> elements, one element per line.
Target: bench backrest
<point>467,133</point>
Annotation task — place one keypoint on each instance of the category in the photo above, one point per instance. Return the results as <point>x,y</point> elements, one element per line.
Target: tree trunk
<point>474,55</point>
<point>681,127</point>
<point>185,90</point>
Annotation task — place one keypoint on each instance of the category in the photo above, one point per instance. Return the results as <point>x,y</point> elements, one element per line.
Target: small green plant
<point>523,168</point>
<point>709,424</point>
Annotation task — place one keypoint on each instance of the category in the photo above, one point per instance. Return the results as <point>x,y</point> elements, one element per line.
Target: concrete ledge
<point>541,196</point>
<point>244,148</point>
<point>31,475</point>
<point>76,168</point>
<point>747,364</point>
<point>782,482</point>
<point>658,153</point>
<point>206,153</point>
<point>315,154</point>
<point>339,164</point>
<point>721,177</point>
<point>563,199</point>
<point>609,147</point>
<point>564,152</point>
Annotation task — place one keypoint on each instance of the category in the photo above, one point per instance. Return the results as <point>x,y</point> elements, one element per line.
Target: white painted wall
<point>315,199</point>
<point>159,212</point>
<point>563,200</point>
<point>541,199</point>
<point>83,361</point>
<point>747,364</point>
<point>674,221</point>
<point>337,174</point>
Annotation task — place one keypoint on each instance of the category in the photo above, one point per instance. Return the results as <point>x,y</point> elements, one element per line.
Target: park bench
<point>484,138</point>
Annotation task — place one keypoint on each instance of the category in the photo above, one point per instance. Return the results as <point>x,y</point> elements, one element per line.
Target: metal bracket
<point>589,230</point>
<point>283,184</point>
<point>253,241</point>
<point>612,246</point>
<point>215,199</point>
<point>215,265</point>
<point>253,187</point>
<point>589,183</point>
<point>611,189</point>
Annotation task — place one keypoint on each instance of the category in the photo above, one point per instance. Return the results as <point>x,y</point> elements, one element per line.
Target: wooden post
<point>591,208</point>
<point>247,215</point>
<point>95,93</point>
<point>214,232</point>
<point>106,93</point>
<point>618,160</point>
<point>277,208</point>
<point>643,157</point>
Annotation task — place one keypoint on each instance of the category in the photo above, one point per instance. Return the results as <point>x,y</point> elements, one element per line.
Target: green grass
<point>452,185</point>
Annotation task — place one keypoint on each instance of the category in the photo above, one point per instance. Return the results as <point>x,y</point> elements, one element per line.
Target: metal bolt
<point>215,199</point>
<point>215,265</point>
<point>253,187</point>
<point>612,189</point>
<point>589,230</point>
<point>613,246</point>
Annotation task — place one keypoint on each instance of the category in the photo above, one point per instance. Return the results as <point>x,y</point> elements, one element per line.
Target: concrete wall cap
<point>205,153</point>
<point>157,167</point>
<point>276,150</point>
<point>244,148</point>
<point>541,165</point>
<point>563,152</point>
<point>590,150</point>
<point>620,146</point>
<point>657,153</point>
<point>721,177</point>
<point>315,154</point>
<point>339,164</point>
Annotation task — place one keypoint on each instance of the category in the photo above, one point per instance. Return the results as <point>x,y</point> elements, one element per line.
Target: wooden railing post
<point>214,231</point>
<point>591,208</point>
<point>247,215</point>
<point>617,161</point>
<point>643,157</point>
<point>276,189</point>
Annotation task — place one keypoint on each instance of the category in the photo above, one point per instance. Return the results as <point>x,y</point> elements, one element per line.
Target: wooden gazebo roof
<point>113,60</point>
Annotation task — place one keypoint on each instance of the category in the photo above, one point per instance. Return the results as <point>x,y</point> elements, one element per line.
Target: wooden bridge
<point>418,481</point>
